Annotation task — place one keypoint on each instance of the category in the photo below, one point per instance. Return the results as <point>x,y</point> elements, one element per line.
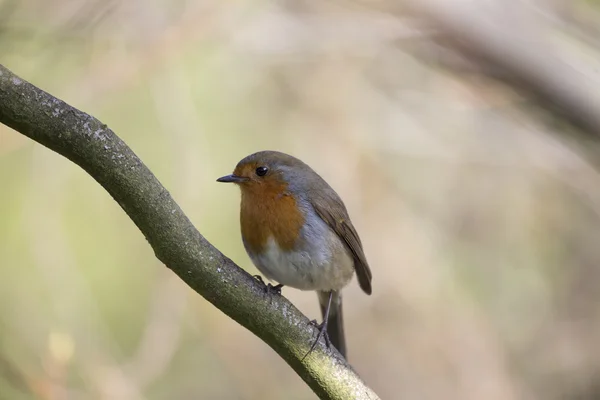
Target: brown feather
<point>333,212</point>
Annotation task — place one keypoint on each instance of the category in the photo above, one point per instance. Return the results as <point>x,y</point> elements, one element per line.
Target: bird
<point>297,232</point>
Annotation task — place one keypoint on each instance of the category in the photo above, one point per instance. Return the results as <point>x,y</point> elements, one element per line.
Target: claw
<point>269,289</point>
<point>322,327</point>
<point>274,289</point>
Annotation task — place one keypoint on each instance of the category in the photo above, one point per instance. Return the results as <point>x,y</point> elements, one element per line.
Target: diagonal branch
<point>94,147</point>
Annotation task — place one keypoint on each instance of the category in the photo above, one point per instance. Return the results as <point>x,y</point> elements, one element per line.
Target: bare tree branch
<point>94,147</point>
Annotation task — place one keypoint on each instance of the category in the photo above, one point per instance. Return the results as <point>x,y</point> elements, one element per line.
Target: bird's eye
<point>262,171</point>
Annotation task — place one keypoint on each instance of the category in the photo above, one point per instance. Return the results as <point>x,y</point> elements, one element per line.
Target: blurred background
<point>461,135</point>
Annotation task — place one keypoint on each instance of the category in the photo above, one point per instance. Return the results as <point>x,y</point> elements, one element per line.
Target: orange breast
<point>267,212</point>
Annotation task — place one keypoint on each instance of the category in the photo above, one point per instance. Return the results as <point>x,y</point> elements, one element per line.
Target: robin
<point>297,232</point>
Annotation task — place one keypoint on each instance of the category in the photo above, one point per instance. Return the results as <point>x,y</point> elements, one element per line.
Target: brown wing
<point>337,218</point>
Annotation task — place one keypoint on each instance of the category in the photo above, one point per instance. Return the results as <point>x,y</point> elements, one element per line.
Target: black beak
<point>232,179</point>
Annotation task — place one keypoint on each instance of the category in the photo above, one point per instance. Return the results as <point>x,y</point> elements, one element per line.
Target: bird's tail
<point>335,322</point>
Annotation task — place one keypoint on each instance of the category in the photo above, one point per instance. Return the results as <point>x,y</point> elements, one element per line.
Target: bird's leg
<point>322,327</point>
<point>268,287</point>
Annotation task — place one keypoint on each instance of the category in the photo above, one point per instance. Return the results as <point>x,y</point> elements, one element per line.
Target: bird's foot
<point>322,327</point>
<point>269,289</point>
<point>274,289</point>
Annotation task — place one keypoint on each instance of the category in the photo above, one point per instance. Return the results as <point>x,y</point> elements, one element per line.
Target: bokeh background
<point>478,207</point>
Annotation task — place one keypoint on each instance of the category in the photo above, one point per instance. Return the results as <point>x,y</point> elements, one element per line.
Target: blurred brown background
<point>479,211</point>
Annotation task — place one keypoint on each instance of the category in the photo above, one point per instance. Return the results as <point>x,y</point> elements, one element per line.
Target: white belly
<point>319,264</point>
